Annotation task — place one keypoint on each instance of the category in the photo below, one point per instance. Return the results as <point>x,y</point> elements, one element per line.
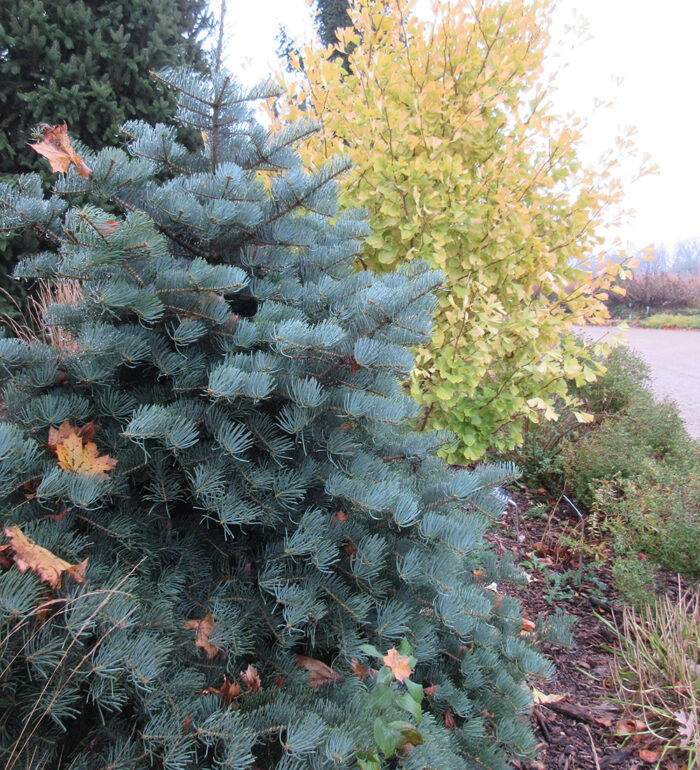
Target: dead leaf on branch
<point>55,146</point>
<point>26,554</point>
<point>251,679</point>
<point>204,626</point>
<point>76,450</point>
<point>228,692</point>
<point>319,673</point>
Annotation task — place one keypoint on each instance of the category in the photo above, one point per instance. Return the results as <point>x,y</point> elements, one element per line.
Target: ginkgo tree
<point>460,160</point>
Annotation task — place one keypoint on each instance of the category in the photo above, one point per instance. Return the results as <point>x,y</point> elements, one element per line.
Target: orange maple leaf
<point>26,554</point>
<point>398,664</point>
<point>319,673</point>
<point>78,457</point>
<point>204,626</point>
<point>76,451</point>
<point>56,147</point>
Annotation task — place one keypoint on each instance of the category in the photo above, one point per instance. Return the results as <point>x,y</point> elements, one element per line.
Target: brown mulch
<point>576,733</point>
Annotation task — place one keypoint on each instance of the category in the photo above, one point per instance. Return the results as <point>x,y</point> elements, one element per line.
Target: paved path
<point>674,358</point>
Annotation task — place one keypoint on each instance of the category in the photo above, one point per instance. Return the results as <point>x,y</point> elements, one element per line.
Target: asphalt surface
<point>674,358</point>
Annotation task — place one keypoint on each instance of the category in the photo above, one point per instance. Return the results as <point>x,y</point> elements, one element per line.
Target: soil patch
<point>578,731</point>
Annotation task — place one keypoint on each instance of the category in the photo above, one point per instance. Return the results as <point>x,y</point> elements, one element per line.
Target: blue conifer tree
<point>270,513</point>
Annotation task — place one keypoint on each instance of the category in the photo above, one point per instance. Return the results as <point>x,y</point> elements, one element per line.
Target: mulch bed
<point>576,733</point>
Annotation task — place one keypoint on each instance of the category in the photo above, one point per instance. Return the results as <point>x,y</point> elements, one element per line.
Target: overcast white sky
<point>653,47</point>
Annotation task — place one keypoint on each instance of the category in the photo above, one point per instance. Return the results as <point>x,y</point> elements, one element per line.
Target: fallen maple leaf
<point>26,554</point>
<point>56,148</point>
<point>76,456</point>
<point>204,626</point>
<point>398,664</point>
<point>77,452</point>
<point>319,673</point>
<point>251,678</point>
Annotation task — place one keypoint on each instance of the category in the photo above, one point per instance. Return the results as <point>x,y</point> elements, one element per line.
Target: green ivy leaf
<point>388,738</point>
<point>407,703</point>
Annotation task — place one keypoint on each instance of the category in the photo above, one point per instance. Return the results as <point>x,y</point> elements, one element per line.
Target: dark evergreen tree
<point>86,62</point>
<point>269,499</point>
<point>331,15</point>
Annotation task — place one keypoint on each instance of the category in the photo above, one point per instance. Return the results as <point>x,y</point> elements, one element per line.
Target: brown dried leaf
<point>450,723</point>
<point>56,148</point>
<point>49,568</point>
<point>647,755</point>
<point>6,560</point>
<point>251,679</point>
<point>360,670</point>
<point>428,691</point>
<point>687,725</point>
<point>59,435</point>
<point>319,673</point>
<point>204,626</point>
<point>629,726</point>
<point>229,691</point>
<point>528,625</point>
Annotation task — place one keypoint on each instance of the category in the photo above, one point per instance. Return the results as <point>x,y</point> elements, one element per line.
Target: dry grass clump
<point>32,324</point>
<point>657,672</point>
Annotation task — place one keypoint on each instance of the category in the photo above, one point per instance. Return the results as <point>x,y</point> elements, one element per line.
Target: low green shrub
<point>633,468</point>
<point>658,513</point>
<point>620,446</point>
<point>675,320</point>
